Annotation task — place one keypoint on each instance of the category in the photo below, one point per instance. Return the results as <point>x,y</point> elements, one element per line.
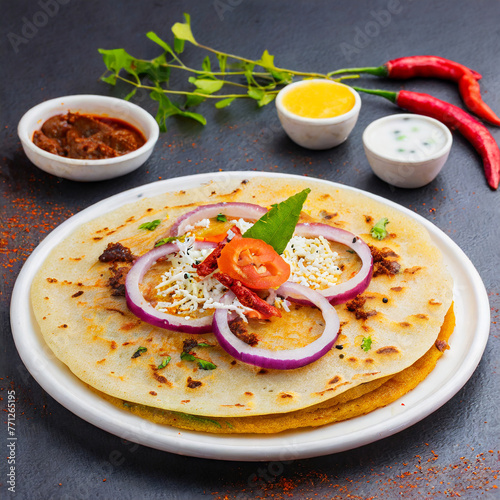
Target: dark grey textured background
<point>453,452</point>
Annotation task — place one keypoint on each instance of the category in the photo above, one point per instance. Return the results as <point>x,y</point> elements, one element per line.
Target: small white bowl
<point>88,170</point>
<point>317,133</point>
<point>420,166</point>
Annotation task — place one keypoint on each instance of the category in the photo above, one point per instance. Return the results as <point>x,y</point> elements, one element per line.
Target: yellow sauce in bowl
<point>319,99</point>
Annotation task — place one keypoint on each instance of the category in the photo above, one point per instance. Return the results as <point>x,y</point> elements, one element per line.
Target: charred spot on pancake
<point>153,393</point>
<point>370,374</point>
<point>367,328</point>
<point>248,393</point>
<point>114,345</point>
<point>356,306</point>
<point>112,309</point>
<point>432,302</point>
<point>285,395</point>
<point>405,324</point>
<point>63,326</point>
<point>382,264</point>
<point>397,288</point>
<point>412,270</point>
<point>238,328</point>
<point>352,359</point>
<point>193,384</point>
<point>77,294</point>
<point>117,280</point>
<point>334,380</point>
<point>116,252</point>
<point>97,238</point>
<point>441,345</point>
<point>421,316</point>
<point>388,350</point>
<point>368,361</point>
<point>233,362</point>
<point>161,378</point>
<point>327,215</point>
<point>245,181</point>
<point>101,361</point>
<point>126,343</point>
<point>130,326</point>
<point>262,371</point>
<point>368,218</point>
<point>51,280</point>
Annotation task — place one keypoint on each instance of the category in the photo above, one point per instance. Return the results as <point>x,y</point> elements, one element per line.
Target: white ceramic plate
<point>451,373</point>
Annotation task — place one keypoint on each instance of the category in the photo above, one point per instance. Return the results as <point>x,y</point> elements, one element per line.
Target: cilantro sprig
<point>366,344</point>
<point>164,363</point>
<point>378,231</point>
<point>150,226</point>
<point>139,352</point>
<point>263,79</point>
<point>202,363</point>
<point>276,227</point>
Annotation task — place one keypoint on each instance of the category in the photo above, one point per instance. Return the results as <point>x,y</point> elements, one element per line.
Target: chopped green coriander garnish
<point>378,231</point>
<point>164,241</point>
<point>222,218</point>
<point>203,364</point>
<point>164,363</point>
<point>150,226</point>
<point>366,344</point>
<point>139,352</point>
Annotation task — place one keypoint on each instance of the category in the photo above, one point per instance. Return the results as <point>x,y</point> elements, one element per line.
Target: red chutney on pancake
<point>87,137</point>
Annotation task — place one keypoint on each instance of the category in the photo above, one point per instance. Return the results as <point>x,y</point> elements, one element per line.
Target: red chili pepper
<point>209,265</point>
<point>471,94</point>
<point>414,66</point>
<point>248,298</point>
<point>456,119</point>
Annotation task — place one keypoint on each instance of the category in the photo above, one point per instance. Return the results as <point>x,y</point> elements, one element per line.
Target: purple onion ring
<point>283,359</point>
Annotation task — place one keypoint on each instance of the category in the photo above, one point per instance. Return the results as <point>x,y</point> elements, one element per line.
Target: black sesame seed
<point>354,239</point>
<point>186,276</point>
<point>341,356</point>
<point>385,300</point>
<point>339,346</point>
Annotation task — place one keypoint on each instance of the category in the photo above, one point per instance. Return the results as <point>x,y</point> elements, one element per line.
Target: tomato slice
<point>253,262</point>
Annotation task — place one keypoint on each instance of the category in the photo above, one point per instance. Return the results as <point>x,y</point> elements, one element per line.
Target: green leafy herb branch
<point>262,79</point>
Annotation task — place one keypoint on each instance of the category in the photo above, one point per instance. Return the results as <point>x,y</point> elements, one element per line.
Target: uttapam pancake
<point>96,336</point>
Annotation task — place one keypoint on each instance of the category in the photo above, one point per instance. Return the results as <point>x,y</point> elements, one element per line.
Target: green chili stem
<point>392,96</point>
<point>377,71</point>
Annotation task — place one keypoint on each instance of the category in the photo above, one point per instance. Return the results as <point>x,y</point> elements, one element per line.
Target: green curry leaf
<point>276,227</point>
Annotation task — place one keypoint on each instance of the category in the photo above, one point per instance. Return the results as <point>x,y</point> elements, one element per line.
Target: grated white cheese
<point>185,292</point>
<point>312,263</point>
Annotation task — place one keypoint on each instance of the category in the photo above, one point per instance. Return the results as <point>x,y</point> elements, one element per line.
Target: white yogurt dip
<point>408,138</point>
<point>407,150</point>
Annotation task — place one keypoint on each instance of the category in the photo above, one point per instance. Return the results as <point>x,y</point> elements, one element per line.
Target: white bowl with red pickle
<point>102,108</point>
<point>407,150</point>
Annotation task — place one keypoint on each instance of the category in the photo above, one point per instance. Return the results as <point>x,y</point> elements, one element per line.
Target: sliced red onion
<point>247,211</point>
<point>139,306</point>
<point>341,293</point>
<point>283,359</point>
